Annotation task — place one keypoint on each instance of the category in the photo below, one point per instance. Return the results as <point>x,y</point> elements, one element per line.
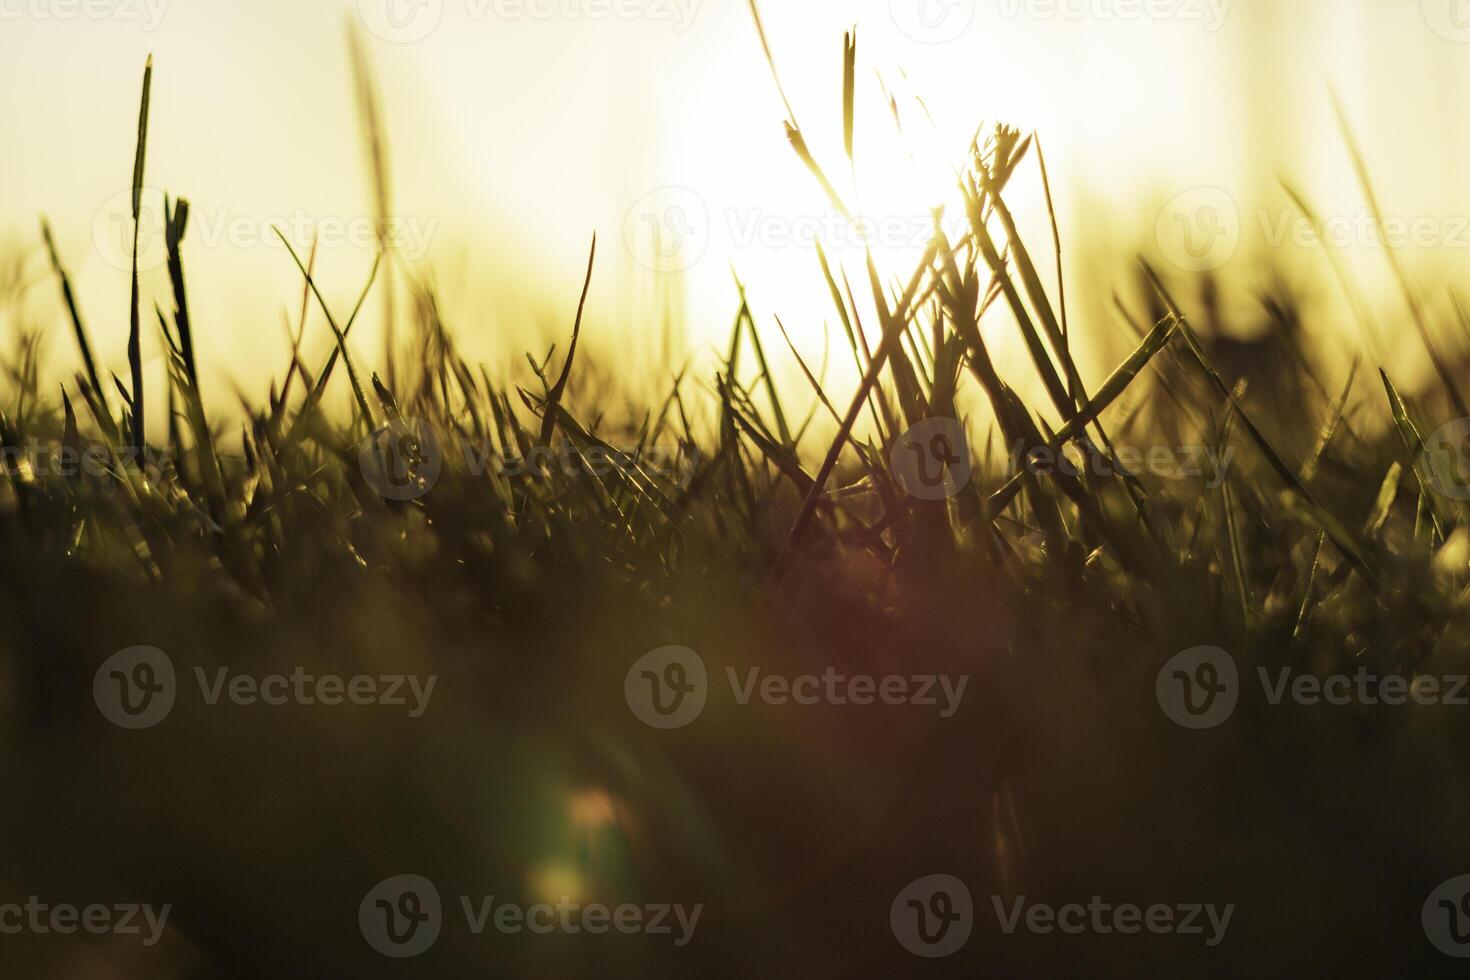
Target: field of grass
<point>526,545</point>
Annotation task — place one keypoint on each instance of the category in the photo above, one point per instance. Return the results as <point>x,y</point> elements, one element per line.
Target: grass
<point>264,541</point>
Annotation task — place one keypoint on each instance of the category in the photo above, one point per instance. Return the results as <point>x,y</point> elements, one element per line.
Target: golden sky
<point>520,127</point>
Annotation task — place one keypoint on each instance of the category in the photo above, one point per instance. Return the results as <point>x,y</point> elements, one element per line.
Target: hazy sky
<point>520,127</point>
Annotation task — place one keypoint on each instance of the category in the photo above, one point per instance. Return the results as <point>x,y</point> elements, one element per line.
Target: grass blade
<point>553,397</point>
<point>135,353</point>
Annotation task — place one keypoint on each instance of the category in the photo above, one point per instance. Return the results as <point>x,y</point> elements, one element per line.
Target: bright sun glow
<point>511,140</point>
